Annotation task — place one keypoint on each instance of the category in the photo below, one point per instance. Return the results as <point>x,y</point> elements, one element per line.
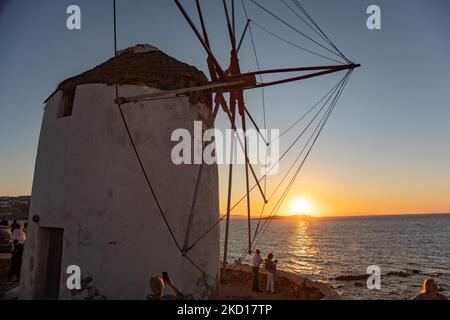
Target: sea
<point>407,249</point>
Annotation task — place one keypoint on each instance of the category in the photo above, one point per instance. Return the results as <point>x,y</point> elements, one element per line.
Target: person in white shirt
<point>19,235</point>
<point>256,262</point>
<point>271,268</point>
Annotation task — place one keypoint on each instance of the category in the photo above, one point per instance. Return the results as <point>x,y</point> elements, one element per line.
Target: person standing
<point>256,262</point>
<point>6,241</point>
<point>271,268</point>
<point>18,234</point>
<point>13,225</point>
<point>16,261</point>
<point>4,223</point>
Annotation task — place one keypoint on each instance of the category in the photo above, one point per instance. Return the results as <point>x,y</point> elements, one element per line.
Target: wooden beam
<point>200,38</point>
<point>174,93</point>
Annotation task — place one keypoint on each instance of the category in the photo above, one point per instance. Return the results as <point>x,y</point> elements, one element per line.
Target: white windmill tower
<point>113,205</point>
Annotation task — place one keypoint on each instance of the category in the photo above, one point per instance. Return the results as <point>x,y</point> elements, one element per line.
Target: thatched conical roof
<point>141,65</point>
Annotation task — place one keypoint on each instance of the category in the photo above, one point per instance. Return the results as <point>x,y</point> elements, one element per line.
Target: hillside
<point>14,207</point>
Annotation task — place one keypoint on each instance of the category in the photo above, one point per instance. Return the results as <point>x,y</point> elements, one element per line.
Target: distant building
<point>91,206</point>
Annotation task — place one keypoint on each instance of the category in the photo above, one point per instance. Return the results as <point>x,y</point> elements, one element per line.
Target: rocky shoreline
<point>236,284</point>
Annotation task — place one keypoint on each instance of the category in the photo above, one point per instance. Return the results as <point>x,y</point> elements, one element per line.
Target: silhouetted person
<point>157,285</point>
<point>4,223</point>
<point>430,291</point>
<point>16,261</point>
<point>13,225</point>
<point>256,262</point>
<point>271,268</point>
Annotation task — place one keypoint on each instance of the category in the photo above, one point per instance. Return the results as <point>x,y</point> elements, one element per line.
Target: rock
<point>12,294</point>
<point>401,273</point>
<point>353,277</point>
<point>337,286</point>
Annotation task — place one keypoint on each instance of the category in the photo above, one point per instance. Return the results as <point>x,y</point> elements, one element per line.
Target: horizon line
<point>352,215</point>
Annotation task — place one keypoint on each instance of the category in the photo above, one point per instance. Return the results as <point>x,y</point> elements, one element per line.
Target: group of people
<point>271,268</point>
<point>430,289</point>
<point>18,238</point>
<point>159,283</point>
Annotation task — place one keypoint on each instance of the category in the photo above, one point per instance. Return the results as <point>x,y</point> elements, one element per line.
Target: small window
<point>66,107</point>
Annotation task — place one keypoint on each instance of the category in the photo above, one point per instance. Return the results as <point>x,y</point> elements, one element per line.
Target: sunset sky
<point>386,148</point>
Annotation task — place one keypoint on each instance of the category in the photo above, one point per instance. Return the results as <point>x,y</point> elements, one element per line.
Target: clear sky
<point>385,150</point>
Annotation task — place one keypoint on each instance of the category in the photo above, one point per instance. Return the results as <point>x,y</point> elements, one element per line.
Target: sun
<point>301,206</point>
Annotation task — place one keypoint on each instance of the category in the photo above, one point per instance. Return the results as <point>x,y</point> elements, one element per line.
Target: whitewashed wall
<point>88,182</point>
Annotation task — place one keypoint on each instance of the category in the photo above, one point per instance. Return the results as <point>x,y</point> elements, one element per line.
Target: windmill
<point>233,82</point>
<point>101,155</point>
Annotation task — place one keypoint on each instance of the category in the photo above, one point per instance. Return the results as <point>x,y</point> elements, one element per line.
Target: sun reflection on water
<point>303,250</point>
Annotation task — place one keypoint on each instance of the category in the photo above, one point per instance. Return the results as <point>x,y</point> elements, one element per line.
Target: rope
<point>263,108</point>
<point>305,12</point>
<point>281,200</point>
<point>325,119</point>
<point>285,193</point>
<point>303,19</point>
<point>303,116</point>
<point>268,171</point>
<point>311,137</point>
<point>193,205</point>
<point>293,28</point>
<point>293,164</point>
<point>319,33</point>
<point>293,44</point>
<point>259,232</point>
<point>199,268</point>
<point>288,149</point>
<point>138,157</point>
<point>257,63</point>
<point>333,103</point>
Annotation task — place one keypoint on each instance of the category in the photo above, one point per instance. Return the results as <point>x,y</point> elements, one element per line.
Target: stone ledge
<point>289,285</point>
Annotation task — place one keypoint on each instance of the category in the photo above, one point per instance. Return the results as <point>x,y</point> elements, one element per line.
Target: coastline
<point>236,284</point>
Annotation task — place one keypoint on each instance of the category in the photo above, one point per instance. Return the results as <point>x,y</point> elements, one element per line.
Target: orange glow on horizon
<point>318,199</point>
<point>301,206</point>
